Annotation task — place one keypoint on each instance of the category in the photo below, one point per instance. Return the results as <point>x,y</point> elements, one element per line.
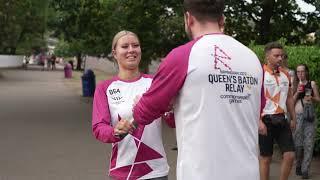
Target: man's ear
<point>221,22</point>
<point>189,19</point>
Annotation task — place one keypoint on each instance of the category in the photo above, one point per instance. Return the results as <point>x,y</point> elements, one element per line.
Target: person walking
<point>43,60</point>
<point>217,84</point>
<point>305,95</point>
<point>53,59</point>
<point>137,151</point>
<point>273,125</point>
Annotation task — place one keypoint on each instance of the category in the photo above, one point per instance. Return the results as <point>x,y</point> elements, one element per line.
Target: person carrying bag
<point>305,95</point>
<point>308,111</point>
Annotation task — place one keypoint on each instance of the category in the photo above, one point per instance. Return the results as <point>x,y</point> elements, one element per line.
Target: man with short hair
<point>273,125</point>
<point>215,84</point>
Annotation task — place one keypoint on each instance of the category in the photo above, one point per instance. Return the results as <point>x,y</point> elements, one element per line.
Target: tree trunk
<point>79,61</point>
<point>267,12</point>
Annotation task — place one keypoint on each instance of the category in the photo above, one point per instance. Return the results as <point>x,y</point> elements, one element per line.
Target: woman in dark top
<point>305,94</point>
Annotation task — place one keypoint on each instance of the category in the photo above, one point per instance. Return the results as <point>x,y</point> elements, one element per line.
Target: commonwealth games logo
<point>221,59</point>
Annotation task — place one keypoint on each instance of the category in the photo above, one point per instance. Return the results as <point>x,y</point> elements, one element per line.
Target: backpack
<point>308,112</point>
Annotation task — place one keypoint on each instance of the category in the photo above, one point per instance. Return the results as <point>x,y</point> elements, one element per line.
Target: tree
<point>267,20</point>
<point>88,26</point>
<point>80,23</point>
<point>23,24</point>
<point>157,23</point>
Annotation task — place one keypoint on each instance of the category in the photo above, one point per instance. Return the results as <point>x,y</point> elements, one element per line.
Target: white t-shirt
<point>217,83</point>
<point>139,155</point>
<point>276,88</point>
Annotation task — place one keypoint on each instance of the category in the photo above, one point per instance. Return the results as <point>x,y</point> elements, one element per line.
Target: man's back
<point>216,83</point>
<point>217,109</point>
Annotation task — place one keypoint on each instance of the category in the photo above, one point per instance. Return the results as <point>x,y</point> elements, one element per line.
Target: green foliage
<point>159,25</point>
<point>268,20</point>
<point>85,26</point>
<point>63,49</point>
<point>30,44</point>
<point>89,26</point>
<point>23,24</point>
<point>309,55</point>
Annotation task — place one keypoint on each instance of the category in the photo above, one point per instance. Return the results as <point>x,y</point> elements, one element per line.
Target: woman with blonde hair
<point>137,151</point>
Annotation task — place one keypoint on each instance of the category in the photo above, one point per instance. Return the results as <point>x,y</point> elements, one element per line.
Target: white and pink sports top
<point>217,83</point>
<point>139,155</point>
<point>276,87</point>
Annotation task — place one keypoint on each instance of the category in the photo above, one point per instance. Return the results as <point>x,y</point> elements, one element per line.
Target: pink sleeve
<point>101,120</point>
<point>166,84</point>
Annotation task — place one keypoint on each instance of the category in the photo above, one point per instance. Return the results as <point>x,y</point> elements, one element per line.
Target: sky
<point>305,7</point>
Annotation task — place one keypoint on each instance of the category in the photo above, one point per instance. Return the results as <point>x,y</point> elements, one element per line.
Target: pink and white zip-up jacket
<point>139,155</point>
<point>217,83</point>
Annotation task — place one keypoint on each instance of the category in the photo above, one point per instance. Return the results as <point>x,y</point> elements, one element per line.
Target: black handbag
<point>308,112</point>
<point>275,119</point>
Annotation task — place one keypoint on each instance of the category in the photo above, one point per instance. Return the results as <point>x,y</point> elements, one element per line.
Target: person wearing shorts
<point>273,126</point>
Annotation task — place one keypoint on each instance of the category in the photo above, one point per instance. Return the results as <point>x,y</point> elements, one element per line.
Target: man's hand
<point>123,128</point>
<point>262,128</point>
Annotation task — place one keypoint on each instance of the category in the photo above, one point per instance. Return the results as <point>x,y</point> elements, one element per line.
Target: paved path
<point>45,131</point>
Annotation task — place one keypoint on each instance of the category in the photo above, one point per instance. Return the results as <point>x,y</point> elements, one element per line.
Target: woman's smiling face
<point>127,52</point>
